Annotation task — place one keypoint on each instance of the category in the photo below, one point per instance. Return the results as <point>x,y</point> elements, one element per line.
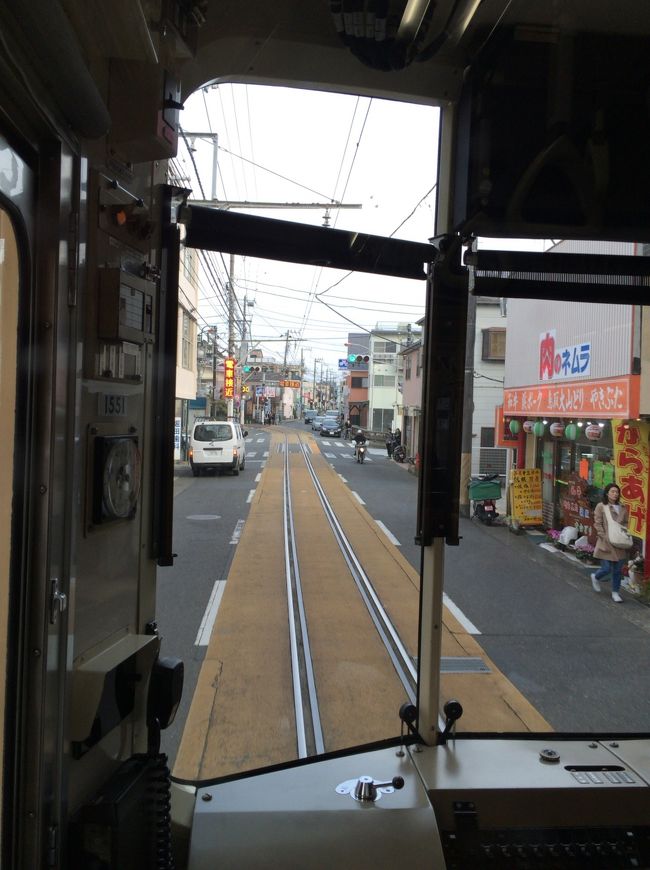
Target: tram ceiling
<point>248,235</point>
<point>426,49</point>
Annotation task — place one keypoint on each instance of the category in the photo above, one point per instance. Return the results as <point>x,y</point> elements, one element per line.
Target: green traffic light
<point>351,357</point>
<point>247,368</point>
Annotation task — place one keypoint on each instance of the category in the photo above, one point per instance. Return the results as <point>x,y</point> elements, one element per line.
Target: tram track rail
<point>309,732</point>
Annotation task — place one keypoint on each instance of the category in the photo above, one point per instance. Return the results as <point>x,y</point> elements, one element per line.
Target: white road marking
<point>258,477</point>
<point>326,443</point>
<point>342,478</point>
<point>251,454</point>
<point>357,496</point>
<point>207,623</point>
<point>260,441</point>
<point>266,454</point>
<point>251,496</point>
<point>391,537</point>
<point>330,455</point>
<point>236,535</point>
<point>377,451</point>
<point>204,517</point>
<point>467,624</point>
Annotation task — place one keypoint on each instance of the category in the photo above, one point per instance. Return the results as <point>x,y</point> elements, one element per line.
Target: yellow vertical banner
<point>632,462</point>
<point>526,495</point>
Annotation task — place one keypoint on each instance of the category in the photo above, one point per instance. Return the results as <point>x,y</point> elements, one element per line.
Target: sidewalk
<point>580,569</point>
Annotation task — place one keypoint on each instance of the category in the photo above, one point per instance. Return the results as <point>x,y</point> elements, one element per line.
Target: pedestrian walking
<point>611,557</point>
<point>390,443</point>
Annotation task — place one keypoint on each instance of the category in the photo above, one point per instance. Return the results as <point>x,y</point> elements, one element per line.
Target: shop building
<point>575,402</point>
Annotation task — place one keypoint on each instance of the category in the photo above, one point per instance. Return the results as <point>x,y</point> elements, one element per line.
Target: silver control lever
<point>366,790</point>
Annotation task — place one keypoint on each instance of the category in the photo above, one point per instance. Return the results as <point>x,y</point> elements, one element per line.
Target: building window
<point>383,381</point>
<point>188,266</point>
<point>382,418</point>
<point>384,347</point>
<point>418,367</point>
<point>359,383</point>
<point>407,367</point>
<point>494,344</point>
<point>487,436</point>
<point>187,341</point>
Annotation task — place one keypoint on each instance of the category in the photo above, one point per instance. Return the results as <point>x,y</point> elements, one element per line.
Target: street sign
<point>343,364</point>
<point>259,391</point>
<point>245,388</point>
<point>229,378</point>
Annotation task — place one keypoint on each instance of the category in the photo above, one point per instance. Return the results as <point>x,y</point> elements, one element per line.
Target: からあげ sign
<point>632,463</point>
<point>526,495</point>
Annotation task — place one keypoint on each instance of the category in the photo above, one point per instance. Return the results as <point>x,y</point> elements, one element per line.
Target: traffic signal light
<point>358,358</point>
<point>247,368</point>
<point>252,368</point>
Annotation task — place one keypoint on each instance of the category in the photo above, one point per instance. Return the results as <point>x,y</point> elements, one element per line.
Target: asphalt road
<point>577,656</point>
<point>209,513</point>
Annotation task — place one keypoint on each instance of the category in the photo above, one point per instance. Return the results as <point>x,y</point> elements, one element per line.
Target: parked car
<point>217,445</point>
<point>331,426</point>
<point>315,423</point>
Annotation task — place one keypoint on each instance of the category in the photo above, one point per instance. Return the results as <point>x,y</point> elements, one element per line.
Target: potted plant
<point>553,537</point>
<point>584,550</point>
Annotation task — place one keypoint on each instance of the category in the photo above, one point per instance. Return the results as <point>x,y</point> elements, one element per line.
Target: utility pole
<point>214,373</point>
<point>231,327</point>
<point>302,381</point>
<point>286,354</point>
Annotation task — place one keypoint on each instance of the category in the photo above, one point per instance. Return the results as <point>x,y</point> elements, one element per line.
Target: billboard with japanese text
<point>228,378</point>
<point>631,458</point>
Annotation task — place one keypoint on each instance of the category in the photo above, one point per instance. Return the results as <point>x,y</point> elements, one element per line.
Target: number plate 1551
<point>112,405</point>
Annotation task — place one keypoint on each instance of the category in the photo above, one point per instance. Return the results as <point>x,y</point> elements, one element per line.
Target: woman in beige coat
<point>611,558</point>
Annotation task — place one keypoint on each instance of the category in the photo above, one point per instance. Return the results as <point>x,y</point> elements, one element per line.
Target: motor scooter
<point>483,492</point>
<point>361,451</point>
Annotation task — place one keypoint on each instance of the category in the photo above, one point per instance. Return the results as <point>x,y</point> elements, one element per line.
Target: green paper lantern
<point>571,432</point>
<point>514,427</point>
<point>539,428</point>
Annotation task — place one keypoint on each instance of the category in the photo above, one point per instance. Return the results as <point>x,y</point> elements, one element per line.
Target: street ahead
<point>580,659</point>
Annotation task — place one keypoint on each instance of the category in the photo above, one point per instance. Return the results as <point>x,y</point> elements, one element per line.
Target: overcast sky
<point>318,147</point>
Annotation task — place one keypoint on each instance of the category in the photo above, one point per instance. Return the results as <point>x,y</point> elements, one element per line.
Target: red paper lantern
<point>557,429</point>
<point>594,432</point>
<point>528,426</point>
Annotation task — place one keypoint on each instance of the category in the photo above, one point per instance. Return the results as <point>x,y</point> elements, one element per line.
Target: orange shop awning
<point>601,400</point>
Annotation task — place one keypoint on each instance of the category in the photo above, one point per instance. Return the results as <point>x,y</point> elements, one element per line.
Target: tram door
<point>9,292</point>
<point>37,317</point>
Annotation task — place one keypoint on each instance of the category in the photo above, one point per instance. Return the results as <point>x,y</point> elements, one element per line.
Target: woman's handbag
<point>617,534</point>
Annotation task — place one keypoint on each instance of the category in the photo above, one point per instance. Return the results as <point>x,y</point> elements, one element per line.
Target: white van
<point>215,445</point>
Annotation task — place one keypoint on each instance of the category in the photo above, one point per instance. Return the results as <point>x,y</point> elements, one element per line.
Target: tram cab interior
<point>544,132</point>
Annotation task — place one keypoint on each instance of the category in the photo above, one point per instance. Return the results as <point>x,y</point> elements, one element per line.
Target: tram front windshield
<point>302,572</point>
